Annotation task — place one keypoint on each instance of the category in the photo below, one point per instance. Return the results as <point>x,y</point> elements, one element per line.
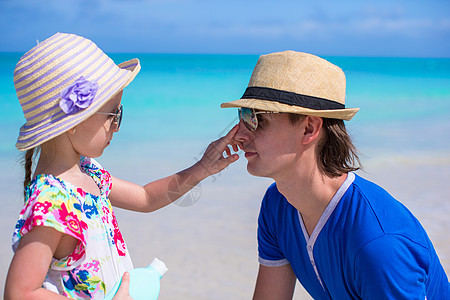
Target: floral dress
<point>100,257</point>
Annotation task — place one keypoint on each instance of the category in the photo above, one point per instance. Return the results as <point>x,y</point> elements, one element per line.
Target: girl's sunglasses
<point>117,116</point>
<point>249,117</point>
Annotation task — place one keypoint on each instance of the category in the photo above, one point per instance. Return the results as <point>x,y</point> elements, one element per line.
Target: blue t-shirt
<point>366,245</point>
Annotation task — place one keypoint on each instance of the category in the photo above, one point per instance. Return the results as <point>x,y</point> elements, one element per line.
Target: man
<point>342,236</point>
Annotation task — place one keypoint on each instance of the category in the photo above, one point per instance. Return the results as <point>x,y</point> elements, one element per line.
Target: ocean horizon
<point>172,112</point>
<point>188,88</point>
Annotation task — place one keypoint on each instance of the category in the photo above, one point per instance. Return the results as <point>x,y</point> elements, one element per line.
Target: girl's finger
<point>227,150</point>
<point>229,136</point>
<point>124,286</point>
<point>231,159</point>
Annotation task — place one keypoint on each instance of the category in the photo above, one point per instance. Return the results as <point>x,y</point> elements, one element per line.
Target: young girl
<point>67,242</point>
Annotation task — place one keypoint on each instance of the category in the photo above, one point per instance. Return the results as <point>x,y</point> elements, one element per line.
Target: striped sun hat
<point>63,81</point>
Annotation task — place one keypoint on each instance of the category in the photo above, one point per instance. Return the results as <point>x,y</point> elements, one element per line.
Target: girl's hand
<point>213,160</point>
<point>123,291</point>
<point>164,191</point>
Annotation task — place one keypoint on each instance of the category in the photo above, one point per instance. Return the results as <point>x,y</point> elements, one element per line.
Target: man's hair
<point>336,152</point>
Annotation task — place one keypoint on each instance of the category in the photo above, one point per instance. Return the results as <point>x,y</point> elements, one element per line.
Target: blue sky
<point>406,28</point>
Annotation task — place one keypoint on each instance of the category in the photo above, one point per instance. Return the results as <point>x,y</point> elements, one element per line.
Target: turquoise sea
<point>178,97</point>
<point>171,113</point>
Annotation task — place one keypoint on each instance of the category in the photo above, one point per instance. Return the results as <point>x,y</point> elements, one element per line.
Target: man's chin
<point>255,171</point>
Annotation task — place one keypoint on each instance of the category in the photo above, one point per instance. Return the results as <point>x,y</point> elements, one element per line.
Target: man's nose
<point>243,134</point>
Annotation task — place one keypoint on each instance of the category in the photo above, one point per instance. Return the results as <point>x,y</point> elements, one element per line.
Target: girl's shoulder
<point>52,202</point>
<point>88,163</point>
<point>97,172</point>
<point>48,186</point>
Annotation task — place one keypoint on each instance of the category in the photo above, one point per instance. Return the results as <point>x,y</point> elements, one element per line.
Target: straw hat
<point>63,81</point>
<point>299,83</point>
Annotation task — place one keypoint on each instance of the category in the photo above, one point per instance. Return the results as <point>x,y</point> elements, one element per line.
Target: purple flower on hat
<point>77,96</point>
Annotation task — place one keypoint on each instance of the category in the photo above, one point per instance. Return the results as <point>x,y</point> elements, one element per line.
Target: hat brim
<point>33,136</point>
<point>134,66</point>
<point>267,105</point>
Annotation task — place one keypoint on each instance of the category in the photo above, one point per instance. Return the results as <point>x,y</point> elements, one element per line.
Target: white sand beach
<point>208,240</point>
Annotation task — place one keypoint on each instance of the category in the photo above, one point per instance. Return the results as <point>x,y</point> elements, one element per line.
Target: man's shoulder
<point>376,197</point>
<point>382,213</point>
<point>272,194</point>
<point>368,186</point>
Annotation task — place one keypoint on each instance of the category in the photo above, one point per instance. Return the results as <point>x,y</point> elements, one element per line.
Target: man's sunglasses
<point>249,117</point>
<point>117,116</point>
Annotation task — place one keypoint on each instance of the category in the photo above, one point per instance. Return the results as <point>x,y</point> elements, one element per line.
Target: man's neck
<point>310,194</point>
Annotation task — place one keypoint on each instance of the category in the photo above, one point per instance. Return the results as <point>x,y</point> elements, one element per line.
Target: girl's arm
<point>164,191</point>
<point>30,263</point>
<point>32,259</point>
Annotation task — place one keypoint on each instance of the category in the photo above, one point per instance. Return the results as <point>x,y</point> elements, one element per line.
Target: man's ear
<point>312,129</point>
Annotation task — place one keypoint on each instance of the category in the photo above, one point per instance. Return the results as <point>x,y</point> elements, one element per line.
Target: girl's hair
<point>28,164</point>
<point>337,154</point>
